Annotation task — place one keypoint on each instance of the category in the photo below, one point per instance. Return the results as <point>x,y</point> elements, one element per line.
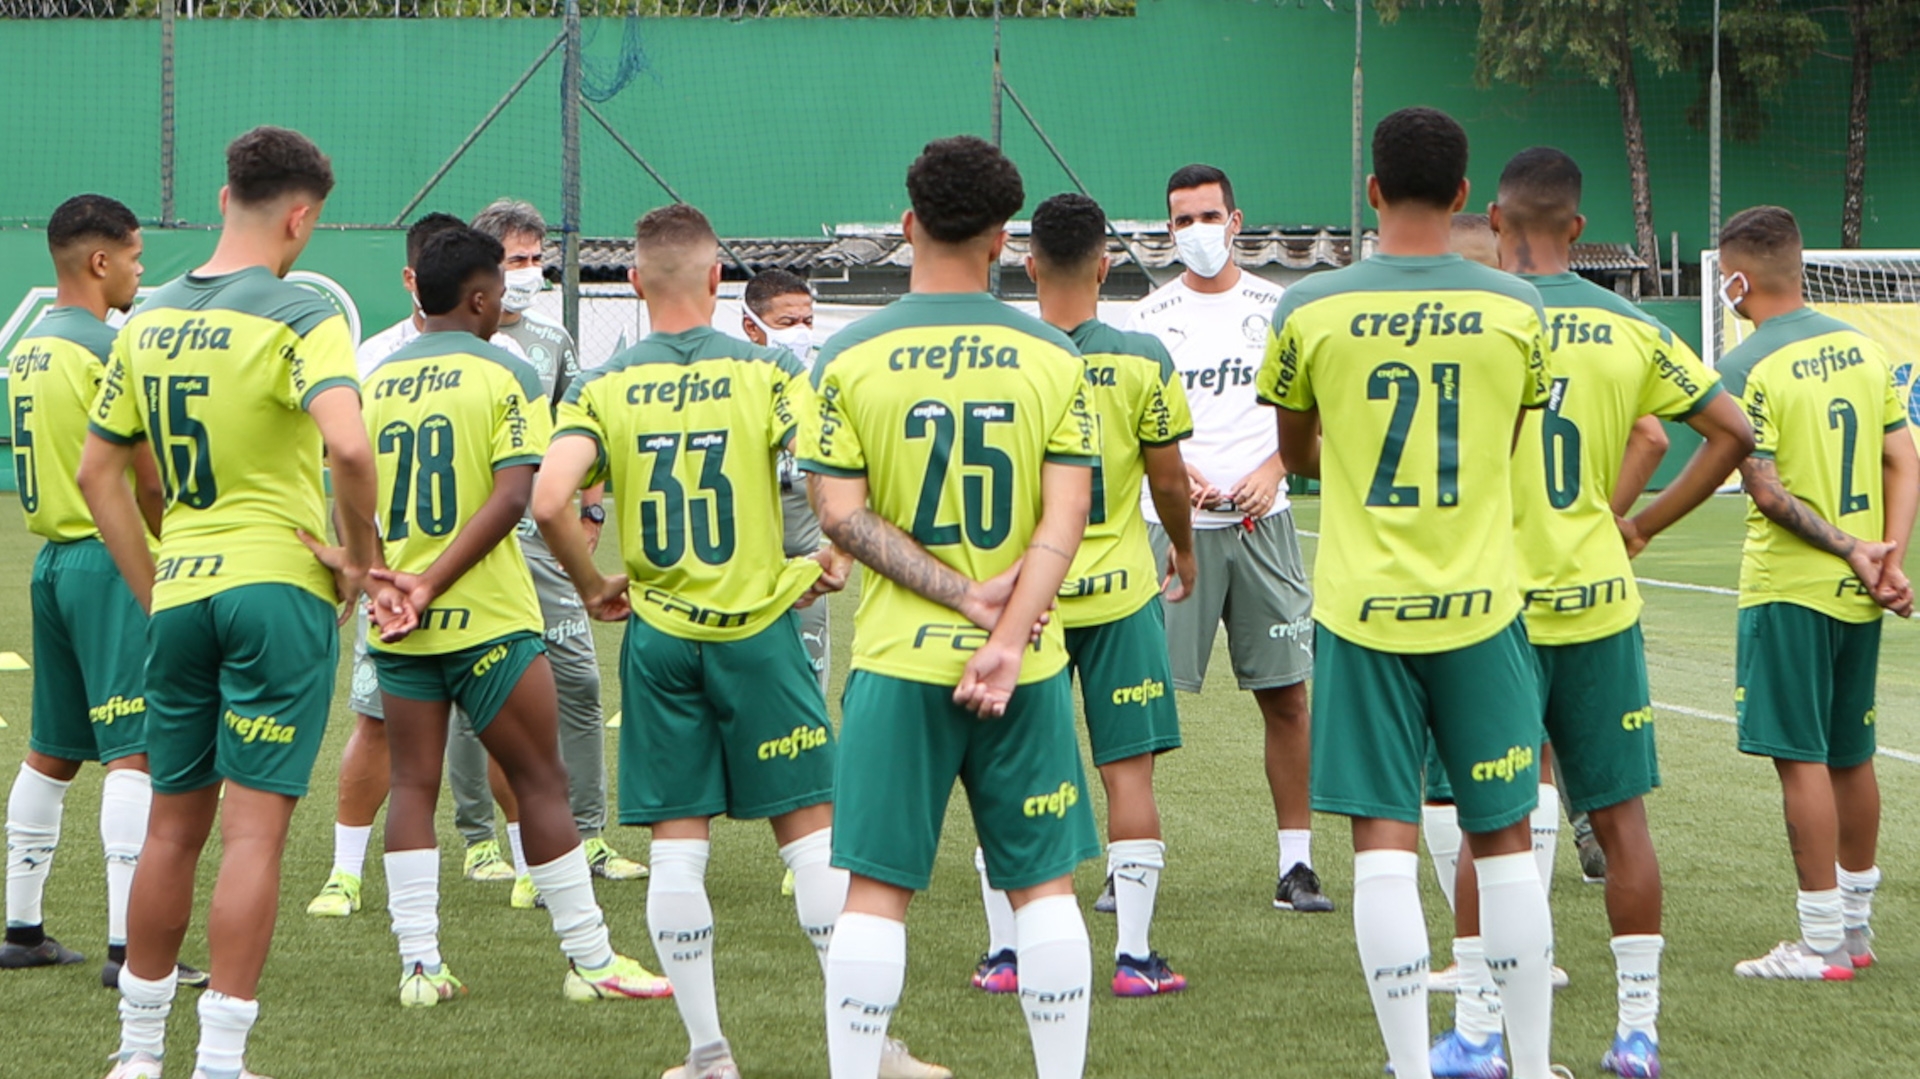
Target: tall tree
<point>1881,31</point>
<point>1525,41</point>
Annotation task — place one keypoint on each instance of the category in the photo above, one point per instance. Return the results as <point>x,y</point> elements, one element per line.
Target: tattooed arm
<point>1783,508</point>
<point>882,546</point>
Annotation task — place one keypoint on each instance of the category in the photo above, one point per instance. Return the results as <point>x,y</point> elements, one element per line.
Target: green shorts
<point>89,656</point>
<point>1373,713</point>
<point>238,688</point>
<point>1599,717</point>
<point>479,679</point>
<point>1806,685</point>
<point>904,745</point>
<point>1255,582</point>
<point>1439,787</point>
<point>1124,680</point>
<point>707,728</point>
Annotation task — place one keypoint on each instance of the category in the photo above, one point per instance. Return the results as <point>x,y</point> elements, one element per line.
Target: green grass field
<point>1273,994</point>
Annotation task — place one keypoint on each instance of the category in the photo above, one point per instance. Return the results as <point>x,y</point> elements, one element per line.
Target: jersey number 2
<point>987,500</point>
<point>1840,414</point>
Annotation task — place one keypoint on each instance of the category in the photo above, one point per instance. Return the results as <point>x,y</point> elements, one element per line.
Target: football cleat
<point>1299,890</point>
<point>1454,1057</point>
<point>607,864</point>
<point>420,989</point>
<point>786,885</point>
<point>1632,1057</point>
<point>1147,977</point>
<point>138,1066</point>
<point>339,897</point>
<point>998,973</point>
<point>525,896</point>
<point>622,979</point>
<point>48,953</point>
<point>1860,947</point>
<point>484,862</point>
<point>185,977</point>
<point>1792,960</point>
<point>897,1063</point>
<point>1106,904</point>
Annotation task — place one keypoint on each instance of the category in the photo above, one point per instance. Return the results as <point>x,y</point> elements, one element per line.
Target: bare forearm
<point>1902,493</point>
<point>489,527</point>
<point>1709,467</point>
<point>355,489</point>
<point>1300,442</point>
<point>1176,513</point>
<point>1646,448</point>
<point>1788,511</point>
<point>1049,556</point>
<point>123,531</point>
<point>568,542</point>
<point>889,551</point>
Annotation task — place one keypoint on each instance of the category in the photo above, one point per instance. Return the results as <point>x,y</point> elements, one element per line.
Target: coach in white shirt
<point>1213,319</point>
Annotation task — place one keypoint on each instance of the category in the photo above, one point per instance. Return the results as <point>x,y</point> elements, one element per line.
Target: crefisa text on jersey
<point>966,351</point>
<point>1428,319</point>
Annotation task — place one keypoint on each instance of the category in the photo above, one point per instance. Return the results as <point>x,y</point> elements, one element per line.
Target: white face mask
<point>1203,248</point>
<point>522,286</point>
<point>797,338</point>
<point>1726,290</point>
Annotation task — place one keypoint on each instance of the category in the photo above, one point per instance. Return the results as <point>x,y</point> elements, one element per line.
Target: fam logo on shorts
<point>117,707</point>
<point>1507,768</point>
<point>260,729</point>
<point>1053,803</point>
<point>1148,690</point>
<point>800,741</point>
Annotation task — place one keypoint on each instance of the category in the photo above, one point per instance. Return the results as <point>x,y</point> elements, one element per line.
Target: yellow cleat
<point>622,979</point>
<point>422,990</point>
<point>339,897</point>
<point>484,863</point>
<point>608,864</point>
<point>525,896</point>
<point>786,884</point>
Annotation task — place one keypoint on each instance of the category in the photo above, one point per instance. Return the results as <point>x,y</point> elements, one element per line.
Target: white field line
<point>1701,713</point>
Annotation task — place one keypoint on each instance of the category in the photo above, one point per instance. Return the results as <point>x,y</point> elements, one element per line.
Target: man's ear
<point>1106,267</point>
<point>999,245</point>
<point>1031,276</point>
<point>633,278</point>
<point>97,263</point>
<point>713,278</point>
<point>1579,226</point>
<point>1373,192</point>
<point>1460,196</point>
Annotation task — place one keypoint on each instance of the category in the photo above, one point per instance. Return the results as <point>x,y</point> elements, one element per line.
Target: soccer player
<point>218,365</point>
<point>364,775</point>
<point>1474,239</point>
<point>89,636</point>
<point>722,713</point>
<point>951,452</point>
<point>1609,365</point>
<point>778,312</point>
<point>1417,364</point>
<point>458,426</point>
<point>1115,632</point>
<point>1213,321</point>
<point>576,671</point>
<point>1832,511</point>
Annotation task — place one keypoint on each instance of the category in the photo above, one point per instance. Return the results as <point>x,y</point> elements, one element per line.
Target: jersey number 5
<point>1397,382</point>
<point>986,500</point>
<point>24,477</point>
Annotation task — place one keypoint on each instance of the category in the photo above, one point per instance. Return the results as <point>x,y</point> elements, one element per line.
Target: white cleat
<point>1792,960</point>
<point>897,1063</point>
<point>139,1066</point>
<point>1559,978</point>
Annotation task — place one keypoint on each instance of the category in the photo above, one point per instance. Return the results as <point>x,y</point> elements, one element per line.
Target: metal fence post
<point>570,174</point>
<point>167,215</point>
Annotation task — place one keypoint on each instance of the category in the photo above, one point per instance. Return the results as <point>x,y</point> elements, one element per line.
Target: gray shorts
<point>1254,582</point>
<point>802,537</point>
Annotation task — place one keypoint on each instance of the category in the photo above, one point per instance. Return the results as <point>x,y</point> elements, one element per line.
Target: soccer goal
<point>1876,292</point>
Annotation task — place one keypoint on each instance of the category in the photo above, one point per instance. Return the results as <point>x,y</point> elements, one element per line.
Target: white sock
<point>513,845</point>
<point>144,1007</point>
<point>1441,825</point>
<point>680,919</point>
<point>1517,931</point>
<point>33,831</point>
<point>350,848</point>
<point>567,885</point>
<point>1392,935</point>
<point>413,899</point>
<point>1856,895</point>
<point>1476,1007</point>
<point>225,1023</point>
<point>1821,923</point>
<point>1546,834</point>
<point>1636,965</point>
<point>1296,848</point>
<point>1000,931</point>
<point>1135,866</point>
<point>1056,983</point>
<point>125,798</point>
<point>819,890</point>
<point>866,968</point>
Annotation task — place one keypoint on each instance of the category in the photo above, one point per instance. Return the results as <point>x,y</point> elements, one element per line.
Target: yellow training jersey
<point>445,413</point>
<point>1137,401</point>
<point>216,373</point>
<point>53,375</point>
<point>1608,365</point>
<point>689,425</point>
<point>948,404</point>
<point>1821,399</point>
<point>1419,368</point>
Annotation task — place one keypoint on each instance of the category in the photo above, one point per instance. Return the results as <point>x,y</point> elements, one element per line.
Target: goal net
<point>1876,292</point>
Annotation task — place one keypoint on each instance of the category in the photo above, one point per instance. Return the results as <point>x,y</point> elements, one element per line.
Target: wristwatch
<point>595,513</point>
